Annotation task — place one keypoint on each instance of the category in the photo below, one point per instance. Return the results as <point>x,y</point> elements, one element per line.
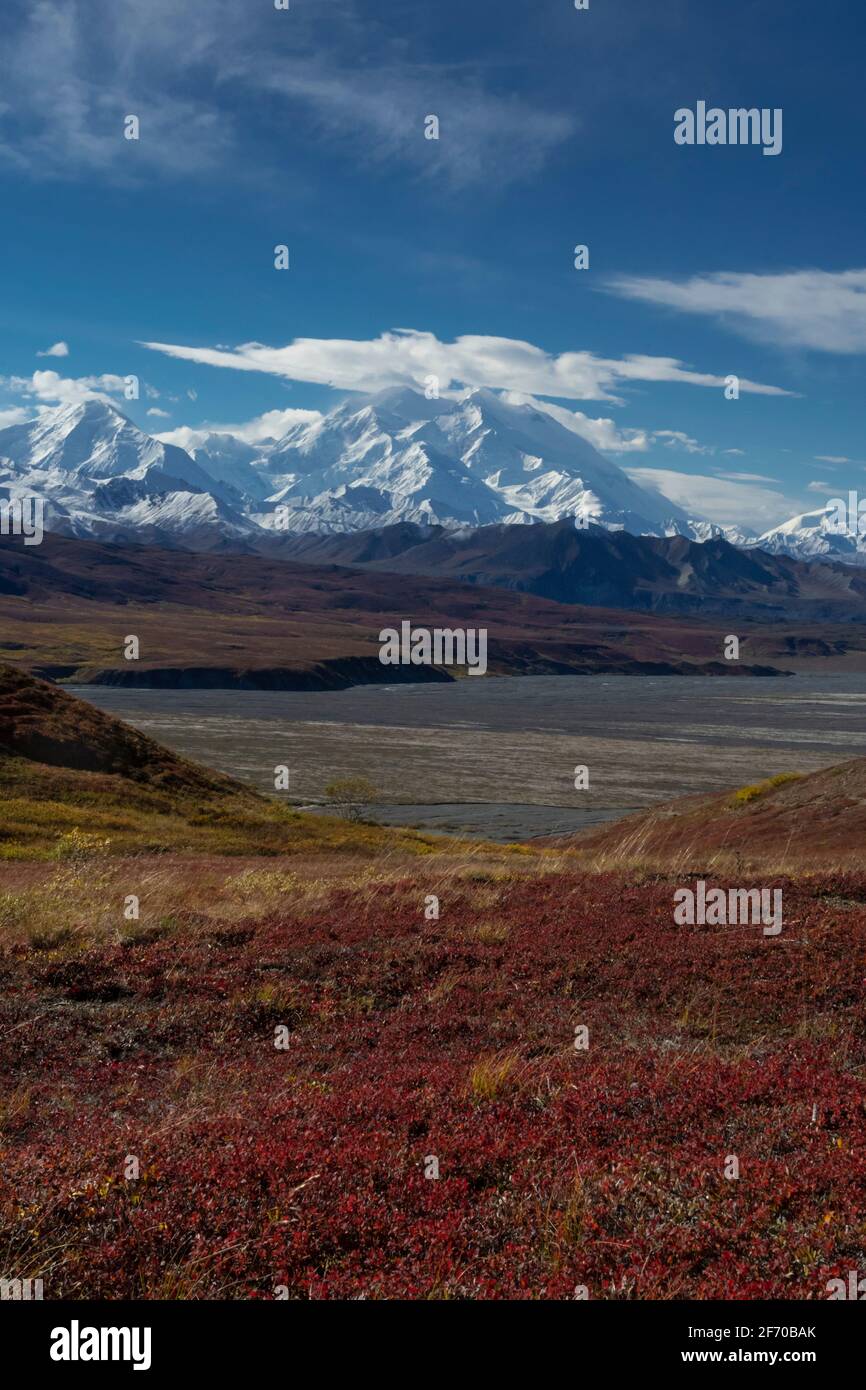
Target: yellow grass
<point>746,794</point>
<point>491,1076</point>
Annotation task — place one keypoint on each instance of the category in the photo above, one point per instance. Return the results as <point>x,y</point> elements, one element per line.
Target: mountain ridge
<point>613,569</point>
<point>375,461</point>
<point>475,460</point>
<point>233,619</point>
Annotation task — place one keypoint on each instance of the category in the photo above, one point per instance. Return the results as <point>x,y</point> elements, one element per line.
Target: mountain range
<point>478,460</point>
<point>612,569</point>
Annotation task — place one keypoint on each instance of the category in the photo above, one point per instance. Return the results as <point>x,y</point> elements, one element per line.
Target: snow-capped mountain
<point>233,462</point>
<point>473,461</point>
<point>394,457</point>
<point>93,441</point>
<point>817,535</point>
<point>99,475</point>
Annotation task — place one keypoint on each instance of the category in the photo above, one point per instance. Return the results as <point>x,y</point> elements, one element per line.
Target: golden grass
<point>492,1076</point>
<point>69,904</point>
<point>572,1219</point>
<point>491,933</point>
<point>53,813</point>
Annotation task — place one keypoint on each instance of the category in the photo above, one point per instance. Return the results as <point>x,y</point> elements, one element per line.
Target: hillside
<point>814,822</point>
<point>75,781</point>
<point>44,724</point>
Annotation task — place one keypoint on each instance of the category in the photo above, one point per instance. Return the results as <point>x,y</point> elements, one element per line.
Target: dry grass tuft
<point>492,1076</point>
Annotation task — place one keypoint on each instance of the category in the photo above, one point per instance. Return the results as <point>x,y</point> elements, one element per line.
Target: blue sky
<point>305,127</point>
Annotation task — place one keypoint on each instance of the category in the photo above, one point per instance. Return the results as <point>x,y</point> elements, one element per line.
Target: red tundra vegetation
<point>305,1171</point>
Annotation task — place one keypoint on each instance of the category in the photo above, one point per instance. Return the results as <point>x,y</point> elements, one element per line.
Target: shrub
<point>80,844</point>
<point>348,795</point>
<point>751,793</point>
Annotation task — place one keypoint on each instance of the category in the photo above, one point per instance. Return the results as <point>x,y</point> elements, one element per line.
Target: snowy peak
<point>817,535</point>
<point>93,440</point>
<point>464,461</point>
<point>475,459</point>
<point>100,475</point>
<point>231,462</point>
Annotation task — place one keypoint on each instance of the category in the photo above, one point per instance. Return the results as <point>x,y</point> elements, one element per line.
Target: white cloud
<point>604,434</point>
<point>107,61</point>
<point>676,439</point>
<point>56,350</point>
<point>14,415</point>
<point>746,477</point>
<point>838,458</point>
<point>819,487</point>
<point>378,110</point>
<point>272,425</point>
<point>49,388</point>
<point>407,357</point>
<point>723,501</point>
<point>818,309</point>
<point>159,414</point>
<point>185,437</point>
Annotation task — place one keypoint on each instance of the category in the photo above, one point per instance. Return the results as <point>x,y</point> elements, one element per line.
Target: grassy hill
<point>790,823</point>
<point>75,781</point>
